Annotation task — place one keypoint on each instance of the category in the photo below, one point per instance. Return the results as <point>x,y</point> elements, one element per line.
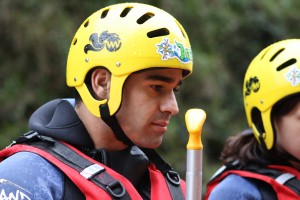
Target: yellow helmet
<point>125,38</point>
<point>271,76</point>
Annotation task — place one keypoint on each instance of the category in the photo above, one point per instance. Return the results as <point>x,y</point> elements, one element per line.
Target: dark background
<point>35,36</point>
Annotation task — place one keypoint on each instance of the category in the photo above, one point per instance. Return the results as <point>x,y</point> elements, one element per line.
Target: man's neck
<point>101,134</point>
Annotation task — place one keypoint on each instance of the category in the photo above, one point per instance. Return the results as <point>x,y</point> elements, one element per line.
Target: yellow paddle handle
<point>194,119</point>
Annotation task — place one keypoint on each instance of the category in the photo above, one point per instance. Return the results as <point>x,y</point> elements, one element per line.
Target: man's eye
<point>156,88</point>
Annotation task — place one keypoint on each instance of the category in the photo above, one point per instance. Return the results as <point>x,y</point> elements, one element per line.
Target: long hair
<point>240,147</point>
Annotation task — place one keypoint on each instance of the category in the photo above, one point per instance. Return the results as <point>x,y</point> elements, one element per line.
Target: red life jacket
<point>95,180</point>
<point>284,180</point>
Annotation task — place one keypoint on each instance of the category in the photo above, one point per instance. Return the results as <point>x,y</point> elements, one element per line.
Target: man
<point>126,61</point>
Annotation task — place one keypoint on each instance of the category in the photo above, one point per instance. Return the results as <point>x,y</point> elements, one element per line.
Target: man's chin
<point>153,145</point>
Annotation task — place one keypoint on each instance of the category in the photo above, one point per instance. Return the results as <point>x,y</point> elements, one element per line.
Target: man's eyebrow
<point>162,78</point>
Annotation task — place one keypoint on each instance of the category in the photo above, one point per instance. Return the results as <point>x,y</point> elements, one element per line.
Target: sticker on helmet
<point>293,76</point>
<point>252,84</point>
<point>176,50</point>
<point>111,41</point>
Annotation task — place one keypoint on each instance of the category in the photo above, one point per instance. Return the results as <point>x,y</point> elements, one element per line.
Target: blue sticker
<point>176,50</point>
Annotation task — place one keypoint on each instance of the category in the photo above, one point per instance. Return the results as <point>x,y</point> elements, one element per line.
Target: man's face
<point>148,104</point>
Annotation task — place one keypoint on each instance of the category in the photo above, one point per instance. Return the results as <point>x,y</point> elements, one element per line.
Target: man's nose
<point>169,104</point>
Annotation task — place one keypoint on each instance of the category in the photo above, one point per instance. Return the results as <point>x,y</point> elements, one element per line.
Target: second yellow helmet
<point>271,76</point>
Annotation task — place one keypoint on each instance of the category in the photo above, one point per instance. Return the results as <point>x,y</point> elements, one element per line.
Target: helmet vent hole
<point>158,33</point>
<point>86,23</point>
<point>264,54</point>
<point>104,13</point>
<point>145,18</point>
<point>286,64</point>
<point>125,12</point>
<point>276,54</point>
<point>74,41</point>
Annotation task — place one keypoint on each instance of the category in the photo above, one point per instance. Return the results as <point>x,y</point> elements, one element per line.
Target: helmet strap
<point>262,141</point>
<point>259,135</point>
<point>113,123</point>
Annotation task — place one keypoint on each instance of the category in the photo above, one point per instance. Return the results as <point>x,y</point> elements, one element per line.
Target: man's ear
<point>100,80</point>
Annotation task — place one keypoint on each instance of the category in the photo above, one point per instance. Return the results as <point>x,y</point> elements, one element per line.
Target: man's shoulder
<point>25,160</point>
<point>235,187</point>
<point>30,175</point>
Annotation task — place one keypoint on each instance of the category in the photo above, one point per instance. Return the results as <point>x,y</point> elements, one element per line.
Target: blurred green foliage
<point>225,35</point>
